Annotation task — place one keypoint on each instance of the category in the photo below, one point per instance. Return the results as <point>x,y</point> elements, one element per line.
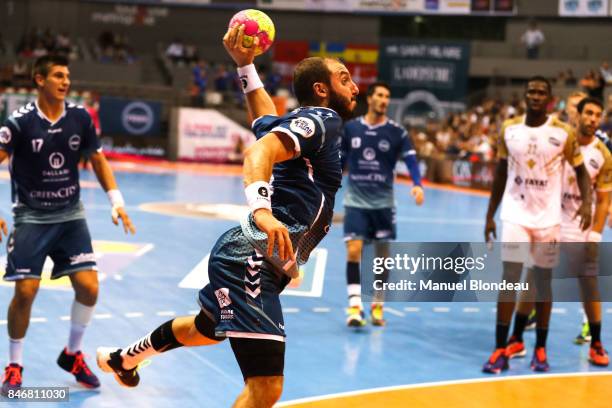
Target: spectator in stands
<point>39,50</point>
<point>191,54</point>
<point>21,72</point>
<point>533,38</point>
<point>176,51</point>
<point>63,44</point>
<point>200,81</point>
<point>593,84</point>
<point>272,81</point>
<point>606,72</point>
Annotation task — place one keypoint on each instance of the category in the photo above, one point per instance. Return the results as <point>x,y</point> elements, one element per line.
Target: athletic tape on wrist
<point>249,78</point>
<point>116,198</point>
<point>259,195</point>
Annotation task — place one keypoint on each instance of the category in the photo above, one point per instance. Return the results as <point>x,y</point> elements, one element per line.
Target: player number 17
<point>37,145</point>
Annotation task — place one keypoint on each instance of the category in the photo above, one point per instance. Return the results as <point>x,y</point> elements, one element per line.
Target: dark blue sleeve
<point>305,128</point>
<point>410,158</point>
<point>9,132</point>
<point>345,146</point>
<point>91,143</point>
<point>263,125</point>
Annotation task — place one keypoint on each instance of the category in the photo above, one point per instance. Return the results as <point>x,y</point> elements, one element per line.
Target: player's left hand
<point>585,214</point>
<point>119,213</point>
<point>418,194</point>
<point>233,43</point>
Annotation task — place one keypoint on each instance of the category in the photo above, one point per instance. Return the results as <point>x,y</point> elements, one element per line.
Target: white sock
<point>80,316</point>
<point>138,351</point>
<point>16,351</point>
<point>354,292</point>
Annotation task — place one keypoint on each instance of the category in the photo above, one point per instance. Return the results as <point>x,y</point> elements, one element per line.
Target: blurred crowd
<point>114,47</point>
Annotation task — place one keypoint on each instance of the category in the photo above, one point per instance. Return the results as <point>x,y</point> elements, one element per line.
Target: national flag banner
<point>327,49</point>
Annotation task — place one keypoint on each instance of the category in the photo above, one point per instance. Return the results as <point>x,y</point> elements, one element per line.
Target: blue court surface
<point>150,277</point>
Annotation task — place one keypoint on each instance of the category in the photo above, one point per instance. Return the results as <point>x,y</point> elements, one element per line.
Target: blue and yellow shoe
<point>584,336</point>
<point>377,314</point>
<point>497,363</point>
<point>355,318</point>
<point>539,361</point>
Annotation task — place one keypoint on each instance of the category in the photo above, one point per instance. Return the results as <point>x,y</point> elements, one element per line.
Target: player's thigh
<point>356,224</point>
<point>259,357</point>
<point>383,223</point>
<point>516,242</point>
<point>27,248</point>
<point>545,246</point>
<point>73,252</point>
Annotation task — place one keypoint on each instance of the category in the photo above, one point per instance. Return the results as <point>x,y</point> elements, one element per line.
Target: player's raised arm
<point>259,102</point>
<point>105,176</point>
<point>259,160</point>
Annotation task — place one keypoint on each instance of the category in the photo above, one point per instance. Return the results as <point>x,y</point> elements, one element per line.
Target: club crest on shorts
<point>223,297</point>
<point>5,135</point>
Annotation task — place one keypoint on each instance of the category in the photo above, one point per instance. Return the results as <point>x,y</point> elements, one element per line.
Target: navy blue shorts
<point>367,225</point>
<point>242,297</point>
<point>68,244</point>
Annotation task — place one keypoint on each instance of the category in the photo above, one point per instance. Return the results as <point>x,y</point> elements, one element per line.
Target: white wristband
<point>258,195</point>
<point>594,236</point>
<point>116,198</point>
<point>249,78</point>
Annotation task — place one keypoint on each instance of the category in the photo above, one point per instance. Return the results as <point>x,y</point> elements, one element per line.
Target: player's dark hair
<point>42,66</point>
<point>307,73</point>
<point>539,78</point>
<point>585,101</point>
<point>372,88</point>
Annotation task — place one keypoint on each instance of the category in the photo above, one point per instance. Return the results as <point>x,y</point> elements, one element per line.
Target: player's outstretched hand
<point>490,229</point>
<point>418,194</point>
<point>233,43</point>
<point>585,214</point>
<point>119,213</point>
<point>3,227</point>
<point>277,233</point>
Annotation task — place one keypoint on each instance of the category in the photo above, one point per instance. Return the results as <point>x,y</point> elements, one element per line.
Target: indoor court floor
<point>428,355</point>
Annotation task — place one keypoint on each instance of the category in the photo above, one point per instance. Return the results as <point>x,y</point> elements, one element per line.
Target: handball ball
<point>256,24</point>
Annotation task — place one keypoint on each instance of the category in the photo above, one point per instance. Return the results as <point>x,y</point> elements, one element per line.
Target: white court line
<point>439,384</point>
<point>494,310</point>
<point>607,310</point>
<point>64,318</point>
<point>291,310</point>
<point>411,309</point>
<point>38,320</point>
<point>144,249</point>
<point>441,309</point>
<point>2,322</point>
<point>133,314</point>
<point>471,309</point>
<point>321,309</point>
<point>193,312</point>
<point>166,313</point>
<point>103,316</point>
<point>559,310</point>
<point>394,312</point>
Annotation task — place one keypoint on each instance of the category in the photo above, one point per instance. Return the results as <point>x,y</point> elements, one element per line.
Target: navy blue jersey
<point>45,156</point>
<point>371,153</point>
<point>603,136</point>
<point>306,186</point>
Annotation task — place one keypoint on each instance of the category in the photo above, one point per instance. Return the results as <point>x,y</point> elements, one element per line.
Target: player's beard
<point>341,105</point>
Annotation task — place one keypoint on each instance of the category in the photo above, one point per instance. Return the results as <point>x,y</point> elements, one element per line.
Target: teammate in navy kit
<point>250,265</point>
<point>45,141</point>
<point>371,147</point>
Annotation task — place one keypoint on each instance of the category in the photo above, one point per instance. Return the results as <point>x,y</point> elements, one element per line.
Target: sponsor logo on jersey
<point>518,180</point>
<point>56,160</point>
<point>370,133</point>
<point>593,163</point>
<point>553,141</point>
<point>302,126</point>
<point>384,145</point>
<point>227,314</point>
<point>63,192</point>
<point>536,183</point>
<point>74,142</point>
<point>53,131</point>
<point>5,135</point>
<point>369,154</point>
<point>223,297</point>
<point>355,143</point>
<point>137,118</point>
